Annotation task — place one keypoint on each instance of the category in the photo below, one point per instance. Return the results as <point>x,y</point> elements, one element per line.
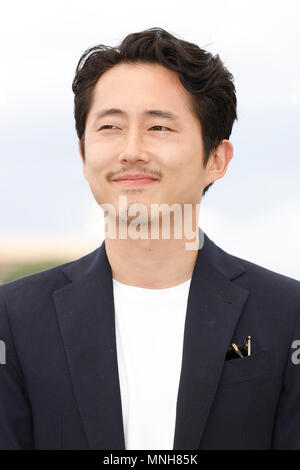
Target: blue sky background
<point>253,212</point>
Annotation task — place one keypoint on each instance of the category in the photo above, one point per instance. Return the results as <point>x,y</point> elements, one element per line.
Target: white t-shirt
<point>149,334</point>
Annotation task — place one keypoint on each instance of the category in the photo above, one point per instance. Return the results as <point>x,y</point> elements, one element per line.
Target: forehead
<point>144,84</point>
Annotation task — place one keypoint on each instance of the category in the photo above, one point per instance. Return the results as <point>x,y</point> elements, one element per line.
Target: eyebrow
<point>148,112</point>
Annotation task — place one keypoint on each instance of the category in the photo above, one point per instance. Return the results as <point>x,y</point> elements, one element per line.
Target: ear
<point>79,147</point>
<point>82,159</point>
<point>218,162</point>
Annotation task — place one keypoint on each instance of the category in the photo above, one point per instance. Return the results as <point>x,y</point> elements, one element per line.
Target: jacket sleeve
<point>16,431</point>
<point>286,432</point>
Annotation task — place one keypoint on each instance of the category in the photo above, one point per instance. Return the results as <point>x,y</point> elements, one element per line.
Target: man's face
<point>135,141</point>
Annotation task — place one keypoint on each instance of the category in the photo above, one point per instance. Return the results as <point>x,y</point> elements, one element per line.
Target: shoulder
<point>273,299</point>
<point>246,271</point>
<point>268,276</point>
<point>39,286</point>
<point>269,286</point>
<point>266,287</point>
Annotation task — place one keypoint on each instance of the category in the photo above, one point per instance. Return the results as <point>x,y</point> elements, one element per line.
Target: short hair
<point>203,75</point>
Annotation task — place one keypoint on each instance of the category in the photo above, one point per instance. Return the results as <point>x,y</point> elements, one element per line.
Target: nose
<point>133,148</point>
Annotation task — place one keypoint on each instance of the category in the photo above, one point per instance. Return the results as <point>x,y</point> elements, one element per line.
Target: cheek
<point>194,166</point>
<point>187,176</point>
<point>184,156</point>
<point>98,156</point>
<point>97,164</point>
<point>185,168</point>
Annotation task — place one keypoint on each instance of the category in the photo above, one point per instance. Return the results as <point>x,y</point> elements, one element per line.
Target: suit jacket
<point>59,387</point>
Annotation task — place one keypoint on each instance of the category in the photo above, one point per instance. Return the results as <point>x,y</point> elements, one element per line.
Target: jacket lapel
<point>85,311</point>
<point>214,307</point>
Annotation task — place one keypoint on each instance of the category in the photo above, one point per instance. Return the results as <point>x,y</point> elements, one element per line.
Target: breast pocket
<point>241,404</point>
<point>246,368</point>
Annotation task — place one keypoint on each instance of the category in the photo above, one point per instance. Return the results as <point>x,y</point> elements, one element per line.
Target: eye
<point>107,126</point>
<point>161,127</point>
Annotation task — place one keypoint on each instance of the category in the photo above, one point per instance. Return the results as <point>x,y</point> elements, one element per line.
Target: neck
<point>152,263</point>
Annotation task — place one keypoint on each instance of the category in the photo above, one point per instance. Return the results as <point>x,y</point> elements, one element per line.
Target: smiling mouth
<point>135,182</point>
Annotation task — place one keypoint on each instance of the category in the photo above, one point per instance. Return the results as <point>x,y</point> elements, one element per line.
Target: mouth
<point>134,180</point>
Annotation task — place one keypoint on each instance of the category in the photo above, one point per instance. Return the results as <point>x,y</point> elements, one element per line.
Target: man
<point>151,342</point>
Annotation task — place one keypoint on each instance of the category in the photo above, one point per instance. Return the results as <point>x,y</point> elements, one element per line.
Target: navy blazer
<point>59,387</point>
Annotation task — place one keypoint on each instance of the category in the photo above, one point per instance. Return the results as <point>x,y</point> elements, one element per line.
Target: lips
<point>135,180</point>
<point>135,177</point>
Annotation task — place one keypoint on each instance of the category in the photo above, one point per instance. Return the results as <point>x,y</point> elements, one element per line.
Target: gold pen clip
<point>237,349</point>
